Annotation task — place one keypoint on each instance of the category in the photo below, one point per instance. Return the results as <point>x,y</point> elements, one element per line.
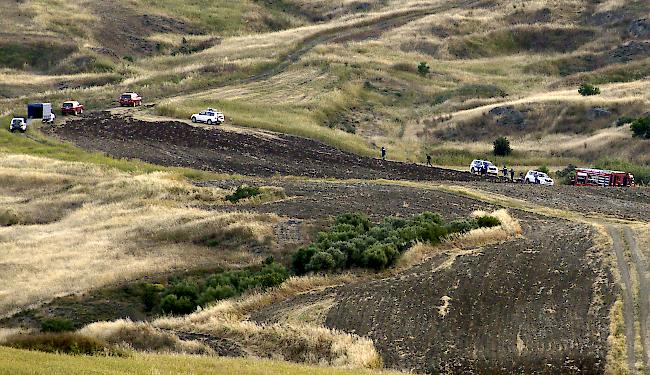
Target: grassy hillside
<point>346,72</point>
<point>13,361</point>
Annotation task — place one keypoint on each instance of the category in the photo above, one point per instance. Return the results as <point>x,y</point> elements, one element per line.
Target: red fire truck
<point>601,177</point>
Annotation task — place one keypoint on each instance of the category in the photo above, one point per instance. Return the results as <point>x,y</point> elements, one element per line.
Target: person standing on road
<point>512,174</point>
<point>505,171</point>
<point>383,153</point>
<point>521,176</point>
<point>429,160</point>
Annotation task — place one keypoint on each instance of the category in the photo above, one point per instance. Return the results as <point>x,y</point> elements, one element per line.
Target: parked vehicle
<point>537,177</point>
<point>18,123</point>
<point>477,166</point>
<point>130,99</point>
<point>72,108</point>
<point>38,110</point>
<point>48,118</point>
<point>209,116</point>
<point>602,177</point>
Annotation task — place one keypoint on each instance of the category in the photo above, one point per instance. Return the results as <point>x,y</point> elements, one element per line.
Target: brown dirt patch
<point>174,143</point>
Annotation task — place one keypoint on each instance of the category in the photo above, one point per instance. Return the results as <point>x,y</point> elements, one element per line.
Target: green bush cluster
<point>56,325</point>
<point>353,241</point>
<point>641,127</point>
<point>502,146</point>
<point>587,89</point>
<point>567,174</point>
<point>183,296</point>
<point>243,192</point>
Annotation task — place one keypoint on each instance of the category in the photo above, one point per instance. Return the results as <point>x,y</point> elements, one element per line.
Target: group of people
<point>505,170</point>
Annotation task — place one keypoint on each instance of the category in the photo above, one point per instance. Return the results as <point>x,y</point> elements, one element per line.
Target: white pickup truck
<point>209,116</point>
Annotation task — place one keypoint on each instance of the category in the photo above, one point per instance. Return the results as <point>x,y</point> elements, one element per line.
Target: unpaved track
<point>628,297</point>
<point>643,298</point>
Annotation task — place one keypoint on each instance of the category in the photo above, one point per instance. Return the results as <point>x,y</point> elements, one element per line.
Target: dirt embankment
<point>175,143</point>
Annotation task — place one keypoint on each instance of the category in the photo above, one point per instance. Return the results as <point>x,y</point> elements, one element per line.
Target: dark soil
<point>320,200</point>
<point>528,306</point>
<point>628,203</point>
<point>174,143</point>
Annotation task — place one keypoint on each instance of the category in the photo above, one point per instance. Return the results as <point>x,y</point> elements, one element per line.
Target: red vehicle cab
<point>130,99</point>
<point>72,108</point>
<point>600,177</point>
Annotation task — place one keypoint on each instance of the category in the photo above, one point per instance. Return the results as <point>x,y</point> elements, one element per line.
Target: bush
<point>171,304</point>
<point>423,69</point>
<point>566,174</point>
<point>183,296</point>
<point>587,90</point>
<point>641,127</point>
<point>487,221</point>
<point>502,146</point>
<point>461,226</point>
<point>57,325</point>
<point>624,120</point>
<point>544,169</point>
<point>68,343</point>
<point>243,192</point>
<point>353,241</point>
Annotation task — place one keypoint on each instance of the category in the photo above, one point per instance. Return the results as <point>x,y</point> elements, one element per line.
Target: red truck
<point>602,177</point>
<point>130,99</point>
<point>72,108</point>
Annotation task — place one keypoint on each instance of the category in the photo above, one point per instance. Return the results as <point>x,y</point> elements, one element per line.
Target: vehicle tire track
<point>628,298</point>
<point>643,299</point>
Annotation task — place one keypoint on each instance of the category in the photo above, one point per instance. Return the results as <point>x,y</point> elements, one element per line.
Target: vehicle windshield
<point>16,121</point>
<point>126,96</point>
<point>541,174</point>
<point>67,105</point>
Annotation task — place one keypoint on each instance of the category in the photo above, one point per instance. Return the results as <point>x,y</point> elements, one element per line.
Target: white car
<point>18,123</point>
<point>478,165</point>
<point>209,116</point>
<point>537,177</point>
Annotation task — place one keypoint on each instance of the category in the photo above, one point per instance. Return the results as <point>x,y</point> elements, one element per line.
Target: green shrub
<point>567,174</point>
<point>587,89</point>
<point>151,295</point>
<point>461,226</point>
<point>641,127</point>
<point>502,147</point>
<point>57,325</point>
<point>353,241</point>
<point>171,304</point>
<point>487,221</point>
<point>183,296</point>
<point>67,342</point>
<point>321,261</point>
<point>243,192</point>
<point>423,69</point>
<point>544,169</point>
<point>624,120</point>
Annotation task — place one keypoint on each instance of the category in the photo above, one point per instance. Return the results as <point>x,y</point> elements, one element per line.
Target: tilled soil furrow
<point>628,299</point>
<point>643,297</point>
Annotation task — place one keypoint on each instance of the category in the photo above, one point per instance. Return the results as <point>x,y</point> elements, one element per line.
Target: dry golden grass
<point>466,242</point>
<point>617,353</point>
<point>85,227</point>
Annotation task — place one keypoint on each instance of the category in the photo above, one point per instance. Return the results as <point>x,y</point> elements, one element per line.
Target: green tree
<point>544,169</point>
<point>641,127</point>
<point>502,146</point>
<point>423,69</point>
<point>587,90</point>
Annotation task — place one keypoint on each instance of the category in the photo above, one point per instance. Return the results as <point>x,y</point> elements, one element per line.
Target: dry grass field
<point>75,227</point>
